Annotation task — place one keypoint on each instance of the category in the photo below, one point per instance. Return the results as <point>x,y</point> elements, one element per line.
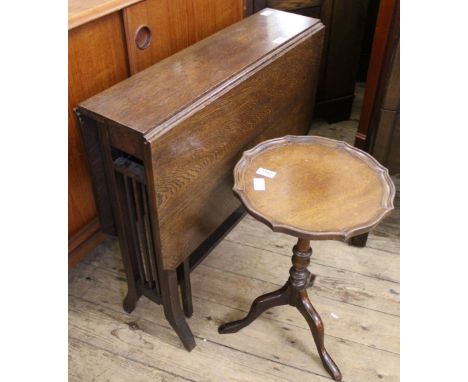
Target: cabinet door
<point>156,29</point>
<point>346,21</point>
<point>96,60</point>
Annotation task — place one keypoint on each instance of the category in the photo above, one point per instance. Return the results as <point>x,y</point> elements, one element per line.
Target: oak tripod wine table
<point>312,188</point>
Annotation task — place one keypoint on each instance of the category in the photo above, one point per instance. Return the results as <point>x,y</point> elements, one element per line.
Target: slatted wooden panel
<point>130,181</point>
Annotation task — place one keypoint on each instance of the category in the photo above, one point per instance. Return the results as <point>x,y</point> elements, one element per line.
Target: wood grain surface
<point>193,193</point>
<point>344,21</point>
<point>174,25</point>
<point>83,11</point>
<point>96,60</point>
<point>148,99</point>
<point>322,188</point>
<point>84,241</point>
<point>198,112</point>
<point>102,52</point>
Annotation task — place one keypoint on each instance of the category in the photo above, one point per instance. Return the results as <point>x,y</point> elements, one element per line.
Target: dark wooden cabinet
<point>379,124</point>
<point>109,41</point>
<point>386,143</point>
<point>366,48</point>
<point>344,22</point>
<point>311,8</point>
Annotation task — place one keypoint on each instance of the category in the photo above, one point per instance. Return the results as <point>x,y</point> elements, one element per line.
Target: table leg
<point>359,241</point>
<point>172,310</point>
<point>130,300</point>
<point>185,287</point>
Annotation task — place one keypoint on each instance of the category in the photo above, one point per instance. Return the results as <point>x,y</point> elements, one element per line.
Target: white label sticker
<point>279,40</point>
<point>266,13</point>
<point>259,184</point>
<point>265,172</point>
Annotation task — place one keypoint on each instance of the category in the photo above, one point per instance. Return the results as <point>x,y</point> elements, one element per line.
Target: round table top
<point>313,187</point>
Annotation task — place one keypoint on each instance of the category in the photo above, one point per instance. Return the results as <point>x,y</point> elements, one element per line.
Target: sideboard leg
<point>172,309</point>
<point>359,241</point>
<point>185,287</point>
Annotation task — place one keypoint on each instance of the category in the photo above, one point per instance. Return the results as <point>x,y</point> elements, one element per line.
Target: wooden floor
<point>356,293</point>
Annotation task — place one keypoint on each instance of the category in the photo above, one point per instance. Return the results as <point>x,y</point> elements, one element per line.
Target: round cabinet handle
<point>143,37</point>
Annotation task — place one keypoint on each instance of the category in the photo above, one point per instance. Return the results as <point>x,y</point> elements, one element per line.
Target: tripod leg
<point>260,304</point>
<point>316,327</point>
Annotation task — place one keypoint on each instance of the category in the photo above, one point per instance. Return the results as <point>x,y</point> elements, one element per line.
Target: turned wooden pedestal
<point>294,293</point>
<point>311,188</point>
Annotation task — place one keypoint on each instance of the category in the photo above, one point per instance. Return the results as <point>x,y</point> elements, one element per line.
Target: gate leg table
<point>312,188</point>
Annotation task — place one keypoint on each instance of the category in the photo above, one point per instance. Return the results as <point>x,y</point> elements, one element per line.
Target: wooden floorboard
<point>356,293</point>
<point>106,365</point>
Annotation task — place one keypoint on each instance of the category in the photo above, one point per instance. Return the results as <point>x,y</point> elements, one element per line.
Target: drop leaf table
<point>162,144</point>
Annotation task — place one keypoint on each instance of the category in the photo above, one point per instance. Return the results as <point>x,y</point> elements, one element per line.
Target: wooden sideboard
<point>109,41</point>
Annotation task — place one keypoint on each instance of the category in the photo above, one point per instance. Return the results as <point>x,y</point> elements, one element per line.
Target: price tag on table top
<point>268,173</point>
<point>259,184</point>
